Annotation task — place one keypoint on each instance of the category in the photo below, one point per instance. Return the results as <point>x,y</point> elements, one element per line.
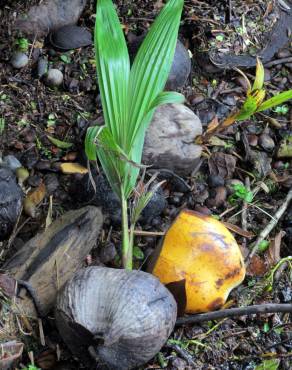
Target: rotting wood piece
<point>49,259</point>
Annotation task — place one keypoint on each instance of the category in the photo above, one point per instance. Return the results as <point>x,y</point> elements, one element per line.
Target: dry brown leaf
<point>33,199</point>
<point>222,164</point>
<point>72,168</point>
<point>257,266</point>
<point>238,230</point>
<point>273,253</point>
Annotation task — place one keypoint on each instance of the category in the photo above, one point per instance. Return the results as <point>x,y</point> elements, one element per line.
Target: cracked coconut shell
<point>199,254</point>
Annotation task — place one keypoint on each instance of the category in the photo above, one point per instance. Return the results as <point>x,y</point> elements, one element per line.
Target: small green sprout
<point>254,103</point>
<point>263,246</point>
<point>22,44</point>
<point>65,58</point>
<point>2,125</point>
<point>240,193</point>
<point>281,109</point>
<point>32,367</point>
<point>220,38</point>
<point>51,121</point>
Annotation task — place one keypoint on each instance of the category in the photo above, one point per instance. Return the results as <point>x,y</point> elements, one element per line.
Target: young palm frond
<point>129,97</point>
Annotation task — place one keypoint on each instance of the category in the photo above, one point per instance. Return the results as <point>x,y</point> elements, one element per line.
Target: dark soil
<point>30,110</point>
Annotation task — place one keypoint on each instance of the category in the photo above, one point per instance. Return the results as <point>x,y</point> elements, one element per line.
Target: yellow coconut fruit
<point>199,251</point>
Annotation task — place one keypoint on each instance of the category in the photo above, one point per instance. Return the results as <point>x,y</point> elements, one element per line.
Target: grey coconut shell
<point>10,201</point>
<point>124,316</point>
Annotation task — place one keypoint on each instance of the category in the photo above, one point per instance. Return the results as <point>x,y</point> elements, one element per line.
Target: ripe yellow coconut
<point>200,251</point>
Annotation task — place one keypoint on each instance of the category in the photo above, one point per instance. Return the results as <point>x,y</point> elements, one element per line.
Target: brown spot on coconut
<point>120,317</point>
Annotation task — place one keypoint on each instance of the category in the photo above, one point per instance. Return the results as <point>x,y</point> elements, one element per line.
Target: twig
<point>273,222</point>
<point>278,61</point>
<point>183,353</point>
<point>148,233</point>
<point>232,312</point>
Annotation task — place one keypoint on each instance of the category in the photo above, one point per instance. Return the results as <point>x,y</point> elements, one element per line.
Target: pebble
<point>70,37</point>
<point>43,165</point>
<point>284,53</point>
<point>267,75</point>
<point>34,181</point>
<point>19,60</point>
<point>215,180</point>
<point>252,139</point>
<point>107,252</point>
<point>54,77</point>
<point>12,162</point>
<point>217,197</point>
<point>29,158</point>
<point>42,67</point>
<point>196,99</point>
<point>51,182</point>
<point>266,142</point>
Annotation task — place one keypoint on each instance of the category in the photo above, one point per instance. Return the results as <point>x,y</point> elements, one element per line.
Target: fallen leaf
<point>273,253</point>
<point>257,266</point>
<point>238,230</point>
<point>221,164</point>
<point>71,168</point>
<point>59,143</point>
<point>33,199</point>
<point>272,364</point>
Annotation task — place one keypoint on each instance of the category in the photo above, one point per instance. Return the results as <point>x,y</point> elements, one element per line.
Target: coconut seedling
<point>123,317</point>
<point>254,103</point>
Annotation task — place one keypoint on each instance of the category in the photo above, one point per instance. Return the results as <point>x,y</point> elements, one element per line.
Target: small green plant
<point>22,44</point>
<point>129,98</point>
<point>2,125</point>
<point>254,103</point>
<point>32,367</point>
<point>240,193</point>
<point>282,109</point>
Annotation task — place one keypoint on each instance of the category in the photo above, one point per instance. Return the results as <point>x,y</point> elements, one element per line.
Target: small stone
<point>19,60</point>
<point>196,99</point>
<point>54,78</point>
<point>217,197</point>
<point>215,180</point>
<point>154,208</point>
<point>70,37</point>
<point>181,65</point>
<point>266,142</point>
<point>52,183</point>
<point>284,53</point>
<point>29,158</point>
<point>252,139</point>
<point>42,67</point>
<point>288,65</point>
<point>11,162</point>
<point>43,165</point>
<point>169,141</point>
<point>267,75</point>
<point>34,181</point>
<point>107,252</point>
